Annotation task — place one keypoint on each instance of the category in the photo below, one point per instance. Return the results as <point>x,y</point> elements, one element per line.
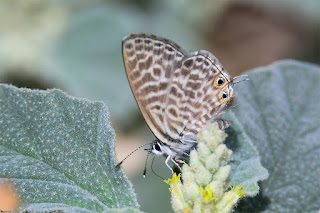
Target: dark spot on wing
<point>128,46</point>
<point>147,41</point>
<point>173,91</point>
<point>170,49</point>
<point>188,63</point>
<point>163,85</point>
<point>157,44</point>
<point>199,59</point>
<point>173,112</point>
<point>156,71</point>
<point>149,62</point>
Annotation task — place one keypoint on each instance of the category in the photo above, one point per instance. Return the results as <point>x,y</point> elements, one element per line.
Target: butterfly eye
<point>224,96</point>
<point>157,147</point>
<point>219,82</point>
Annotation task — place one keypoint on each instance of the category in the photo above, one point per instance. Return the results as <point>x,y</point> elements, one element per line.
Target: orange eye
<point>220,82</point>
<point>224,96</point>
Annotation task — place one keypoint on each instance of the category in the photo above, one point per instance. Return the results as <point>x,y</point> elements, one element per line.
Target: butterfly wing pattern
<point>177,92</point>
<point>192,99</point>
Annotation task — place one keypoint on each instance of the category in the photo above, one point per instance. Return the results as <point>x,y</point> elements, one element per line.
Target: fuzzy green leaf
<point>59,152</point>
<point>246,167</point>
<point>279,111</point>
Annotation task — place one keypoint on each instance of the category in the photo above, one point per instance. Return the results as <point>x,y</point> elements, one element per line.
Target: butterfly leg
<point>223,124</point>
<point>180,161</point>
<point>175,163</point>
<point>167,160</point>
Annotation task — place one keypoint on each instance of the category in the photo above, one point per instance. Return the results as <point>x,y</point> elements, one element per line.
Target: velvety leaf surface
<point>59,152</point>
<point>246,167</point>
<point>279,111</point>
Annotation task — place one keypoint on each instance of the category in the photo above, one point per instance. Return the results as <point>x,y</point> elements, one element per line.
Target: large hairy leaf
<point>246,167</point>
<point>279,111</point>
<point>59,152</point>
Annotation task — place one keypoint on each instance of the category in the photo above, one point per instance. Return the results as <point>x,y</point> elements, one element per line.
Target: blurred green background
<point>75,45</point>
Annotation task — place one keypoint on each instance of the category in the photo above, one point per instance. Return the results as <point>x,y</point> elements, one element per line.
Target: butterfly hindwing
<point>193,100</point>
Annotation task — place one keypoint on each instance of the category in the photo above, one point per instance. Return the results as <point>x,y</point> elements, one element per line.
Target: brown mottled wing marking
<point>193,100</point>
<point>150,62</point>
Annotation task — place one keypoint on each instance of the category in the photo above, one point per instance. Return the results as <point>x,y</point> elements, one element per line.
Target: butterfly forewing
<point>150,62</point>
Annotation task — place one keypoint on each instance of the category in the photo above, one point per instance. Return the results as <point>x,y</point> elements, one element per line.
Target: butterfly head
<point>159,148</point>
<point>156,148</point>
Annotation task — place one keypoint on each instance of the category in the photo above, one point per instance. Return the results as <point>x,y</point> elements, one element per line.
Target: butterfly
<point>178,92</point>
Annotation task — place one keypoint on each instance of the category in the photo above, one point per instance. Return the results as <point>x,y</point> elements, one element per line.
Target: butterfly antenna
<point>119,164</point>
<point>145,165</point>
<point>153,170</point>
<point>245,78</point>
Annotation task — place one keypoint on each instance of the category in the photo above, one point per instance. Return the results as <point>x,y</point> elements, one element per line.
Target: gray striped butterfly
<point>177,92</point>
